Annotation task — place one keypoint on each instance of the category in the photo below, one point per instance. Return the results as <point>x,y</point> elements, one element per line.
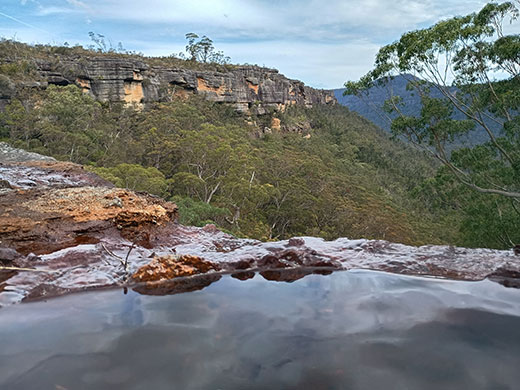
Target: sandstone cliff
<point>251,89</point>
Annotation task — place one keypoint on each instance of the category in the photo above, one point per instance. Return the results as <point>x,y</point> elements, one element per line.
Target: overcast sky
<point>321,42</point>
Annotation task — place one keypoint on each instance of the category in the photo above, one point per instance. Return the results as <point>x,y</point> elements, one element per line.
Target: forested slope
<point>321,171</point>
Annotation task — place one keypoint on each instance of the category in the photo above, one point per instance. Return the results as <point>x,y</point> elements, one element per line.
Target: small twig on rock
<point>127,255</point>
<point>25,269</point>
<point>124,262</point>
<point>111,253</point>
<point>114,255</point>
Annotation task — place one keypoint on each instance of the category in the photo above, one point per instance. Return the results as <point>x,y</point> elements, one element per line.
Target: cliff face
<point>250,89</point>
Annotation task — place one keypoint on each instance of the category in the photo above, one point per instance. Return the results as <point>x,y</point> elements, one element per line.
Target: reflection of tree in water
<point>131,314</point>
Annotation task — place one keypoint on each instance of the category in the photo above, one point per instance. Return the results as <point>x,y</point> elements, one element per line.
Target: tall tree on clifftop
<point>202,50</point>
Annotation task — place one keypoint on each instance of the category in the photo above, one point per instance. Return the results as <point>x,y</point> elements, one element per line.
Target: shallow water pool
<point>349,330</point>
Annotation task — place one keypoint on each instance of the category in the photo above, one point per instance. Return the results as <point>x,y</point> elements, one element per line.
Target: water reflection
<point>349,330</point>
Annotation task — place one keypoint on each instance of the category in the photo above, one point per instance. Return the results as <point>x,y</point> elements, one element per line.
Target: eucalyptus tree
<point>466,72</point>
<point>201,49</point>
<point>474,54</point>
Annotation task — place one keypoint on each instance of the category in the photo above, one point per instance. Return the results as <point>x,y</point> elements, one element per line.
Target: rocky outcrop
<point>250,89</point>
<point>64,229</point>
<point>8,154</point>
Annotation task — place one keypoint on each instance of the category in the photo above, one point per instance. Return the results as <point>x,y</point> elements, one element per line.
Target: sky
<point>321,42</point>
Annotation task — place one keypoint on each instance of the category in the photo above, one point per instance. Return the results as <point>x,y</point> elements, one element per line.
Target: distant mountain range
<point>371,108</point>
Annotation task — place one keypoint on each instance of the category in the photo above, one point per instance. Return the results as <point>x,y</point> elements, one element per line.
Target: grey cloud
<point>268,19</point>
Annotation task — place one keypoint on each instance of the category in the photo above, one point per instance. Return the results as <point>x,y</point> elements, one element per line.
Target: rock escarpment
<point>250,89</point>
<point>64,229</point>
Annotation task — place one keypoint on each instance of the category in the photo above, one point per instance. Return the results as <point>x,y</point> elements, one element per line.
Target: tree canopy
<point>473,65</point>
<point>473,54</point>
<point>201,49</point>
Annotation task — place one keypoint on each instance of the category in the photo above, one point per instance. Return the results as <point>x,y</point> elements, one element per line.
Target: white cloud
<point>25,2</point>
<point>77,3</point>
<point>52,10</point>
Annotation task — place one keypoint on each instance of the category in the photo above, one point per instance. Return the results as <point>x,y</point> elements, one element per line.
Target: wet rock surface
<point>63,229</point>
<point>10,154</point>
